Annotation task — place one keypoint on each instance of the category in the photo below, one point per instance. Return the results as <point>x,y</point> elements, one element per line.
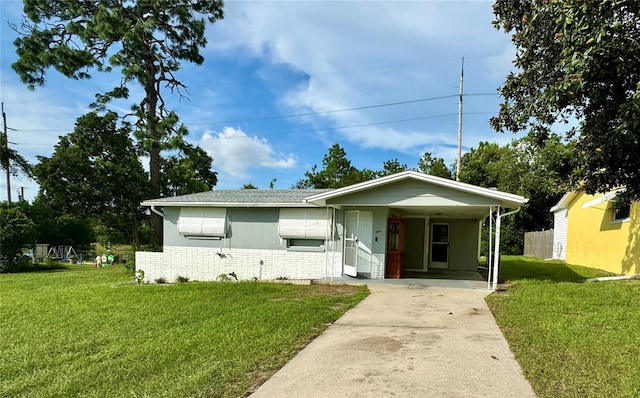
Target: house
<point>385,228</point>
<point>600,231</point>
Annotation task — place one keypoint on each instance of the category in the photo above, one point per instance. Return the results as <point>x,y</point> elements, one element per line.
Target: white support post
<point>496,258</point>
<point>489,251</point>
<point>333,242</point>
<point>329,244</point>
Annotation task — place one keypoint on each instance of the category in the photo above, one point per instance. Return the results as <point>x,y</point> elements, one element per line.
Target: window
<point>305,243</point>
<point>304,229</point>
<point>621,209</point>
<point>202,222</point>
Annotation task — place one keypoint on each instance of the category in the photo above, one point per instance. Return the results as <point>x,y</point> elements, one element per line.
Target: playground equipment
<point>62,253</point>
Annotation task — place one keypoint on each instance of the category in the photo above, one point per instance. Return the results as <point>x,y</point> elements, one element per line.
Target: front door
<point>357,242</point>
<point>439,245</point>
<point>395,248</point>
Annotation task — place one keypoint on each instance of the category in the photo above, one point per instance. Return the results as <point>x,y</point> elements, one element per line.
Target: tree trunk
<point>156,220</point>
<point>154,147</point>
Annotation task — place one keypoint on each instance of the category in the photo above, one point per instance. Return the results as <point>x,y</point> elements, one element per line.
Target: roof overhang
<point>604,198</point>
<point>563,203</point>
<point>169,203</point>
<point>568,197</point>
<point>505,199</point>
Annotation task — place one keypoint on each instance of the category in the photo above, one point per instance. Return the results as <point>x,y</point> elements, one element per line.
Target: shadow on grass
<point>514,268</point>
<point>23,267</point>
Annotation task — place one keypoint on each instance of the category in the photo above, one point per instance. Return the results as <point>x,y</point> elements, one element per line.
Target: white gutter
<point>153,209</point>
<point>496,258</point>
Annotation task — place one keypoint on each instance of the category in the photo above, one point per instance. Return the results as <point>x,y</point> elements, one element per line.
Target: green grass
<point>572,339</point>
<point>93,333</point>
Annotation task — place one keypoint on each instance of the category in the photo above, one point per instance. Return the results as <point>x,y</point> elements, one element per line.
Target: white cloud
<point>364,53</point>
<point>234,152</point>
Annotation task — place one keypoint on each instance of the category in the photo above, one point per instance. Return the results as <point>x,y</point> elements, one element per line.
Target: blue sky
<point>270,60</point>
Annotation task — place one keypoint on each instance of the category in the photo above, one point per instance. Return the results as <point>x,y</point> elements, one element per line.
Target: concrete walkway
<point>406,341</point>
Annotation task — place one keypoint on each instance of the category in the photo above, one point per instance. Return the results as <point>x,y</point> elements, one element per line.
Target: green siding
<point>415,243</point>
<point>248,228</point>
<point>413,193</point>
<point>463,244</point>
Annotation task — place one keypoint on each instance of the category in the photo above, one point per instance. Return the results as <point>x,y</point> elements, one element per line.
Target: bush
<point>16,231</point>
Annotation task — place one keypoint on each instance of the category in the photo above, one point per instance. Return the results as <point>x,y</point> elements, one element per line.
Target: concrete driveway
<point>406,341</point>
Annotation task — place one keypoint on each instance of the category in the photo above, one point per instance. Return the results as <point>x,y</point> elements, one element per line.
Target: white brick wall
<point>206,264</point>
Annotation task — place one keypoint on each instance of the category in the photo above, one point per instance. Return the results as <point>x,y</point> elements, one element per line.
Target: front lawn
<point>572,339</point>
<point>93,333</point>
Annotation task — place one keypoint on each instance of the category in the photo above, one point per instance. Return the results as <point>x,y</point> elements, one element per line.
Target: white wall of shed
<point>560,225</point>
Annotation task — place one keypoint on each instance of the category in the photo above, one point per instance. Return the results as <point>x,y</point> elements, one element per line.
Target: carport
<point>408,224</point>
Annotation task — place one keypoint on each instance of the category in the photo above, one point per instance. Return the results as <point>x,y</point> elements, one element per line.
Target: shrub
<point>16,231</point>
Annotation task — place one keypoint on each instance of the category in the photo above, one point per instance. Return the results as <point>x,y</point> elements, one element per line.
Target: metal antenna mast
<point>460,122</point>
<point>5,158</point>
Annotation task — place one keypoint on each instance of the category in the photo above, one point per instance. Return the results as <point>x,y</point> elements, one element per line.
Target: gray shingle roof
<point>239,197</point>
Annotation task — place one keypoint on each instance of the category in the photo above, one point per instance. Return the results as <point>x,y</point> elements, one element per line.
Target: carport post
<point>496,254</point>
<point>489,251</point>
<point>496,259</point>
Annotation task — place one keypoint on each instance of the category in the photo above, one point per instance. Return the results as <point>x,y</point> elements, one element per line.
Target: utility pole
<point>5,158</point>
<point>460,122</point>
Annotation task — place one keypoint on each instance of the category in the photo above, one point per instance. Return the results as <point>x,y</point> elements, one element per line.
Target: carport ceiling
<point>457,212</point>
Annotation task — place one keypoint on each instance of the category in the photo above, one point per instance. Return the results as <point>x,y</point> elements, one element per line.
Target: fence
<point>539,244</point>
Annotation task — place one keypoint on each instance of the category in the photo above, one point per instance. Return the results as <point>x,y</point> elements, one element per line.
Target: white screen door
<point>357,242</point>
<point>351,243</point>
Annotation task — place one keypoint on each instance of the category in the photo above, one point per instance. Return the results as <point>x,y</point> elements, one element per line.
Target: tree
<point>145,40</point>
<point>577,59</point>
<point>391,167</point>
<point>434,166</point>
<point>482,166</point>
<point>188,172</point>
<point>337,172</point>
<point>16,231</point>
<point>57,228</point>
<point>95,173</point>
<point>522,167</point>
<point>11,160</point>
<point>249,186</point>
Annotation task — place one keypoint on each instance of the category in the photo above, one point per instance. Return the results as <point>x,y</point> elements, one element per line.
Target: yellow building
<point>600,231</point>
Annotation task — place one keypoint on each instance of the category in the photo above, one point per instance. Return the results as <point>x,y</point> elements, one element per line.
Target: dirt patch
<point>259,377</point>
<point>333,289</point>
<point>379,344</point>
<point>322,289</point>
<point>325,289</point>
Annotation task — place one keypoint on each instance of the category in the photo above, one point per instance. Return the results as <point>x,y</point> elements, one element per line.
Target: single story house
<point>383,228</point>
<point>600,231</point>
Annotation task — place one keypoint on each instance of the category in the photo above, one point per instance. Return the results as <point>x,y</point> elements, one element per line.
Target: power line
<point>323,112</point>
<point>307,113</point>
<point>338,110</point>
<point>327,128</point>
<point>343,127</point>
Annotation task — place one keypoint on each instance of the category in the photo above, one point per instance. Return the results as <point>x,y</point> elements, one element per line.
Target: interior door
<point>439,245</point>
